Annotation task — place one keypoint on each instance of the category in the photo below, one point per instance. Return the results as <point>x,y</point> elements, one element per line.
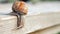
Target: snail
<point>19,8</point>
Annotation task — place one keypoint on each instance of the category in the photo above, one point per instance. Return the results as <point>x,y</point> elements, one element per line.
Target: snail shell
<point>20,7</point>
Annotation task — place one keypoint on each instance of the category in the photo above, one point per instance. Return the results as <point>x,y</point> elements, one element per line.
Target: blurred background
<point>35,6</point>
<point>10,1</point>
